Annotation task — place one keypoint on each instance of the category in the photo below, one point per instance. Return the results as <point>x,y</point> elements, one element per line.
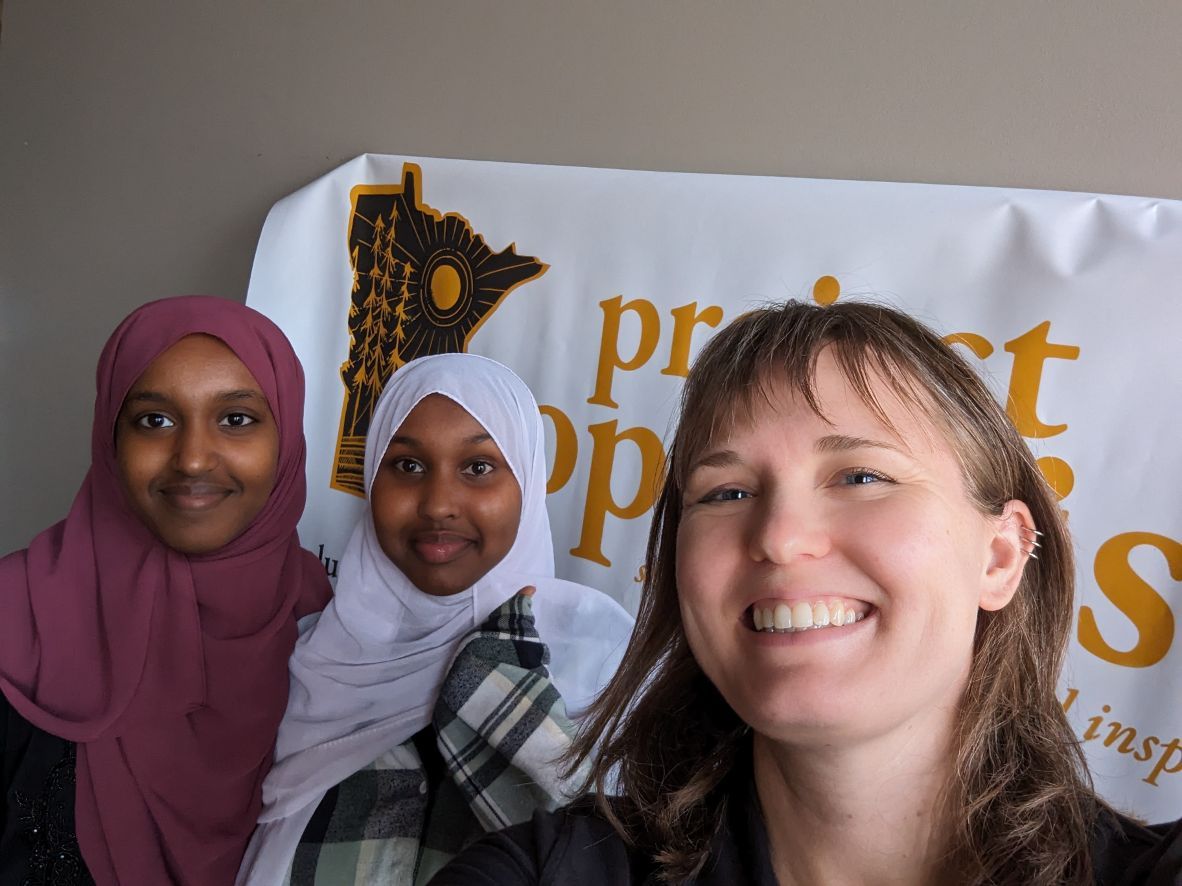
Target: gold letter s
<point>1143,605</point>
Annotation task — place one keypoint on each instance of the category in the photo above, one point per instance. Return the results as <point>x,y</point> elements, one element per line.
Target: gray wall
<point>142,141</point>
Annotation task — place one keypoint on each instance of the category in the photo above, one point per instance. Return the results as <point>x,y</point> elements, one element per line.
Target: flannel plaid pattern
<point>487,761</point>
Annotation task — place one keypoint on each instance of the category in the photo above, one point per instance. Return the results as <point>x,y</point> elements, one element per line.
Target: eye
<point>405,465</point>
<point>728,493</point>
<point>153,421</point>
<point>479,468</point>
<point>238,420</point>
<point>862,477</point>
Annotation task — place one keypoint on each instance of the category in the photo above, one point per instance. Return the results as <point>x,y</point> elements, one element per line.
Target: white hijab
<point>365,678</point>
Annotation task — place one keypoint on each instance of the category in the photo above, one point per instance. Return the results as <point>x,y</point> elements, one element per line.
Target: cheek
<point>930,580</point>
<point>501,513</point>
<point>392,510</point>
<point>911,544</point>
<point>703,626</point>
<point>260,467</point>
<point>135,466</point>
<point>701,579</point>
<point>710,550</point>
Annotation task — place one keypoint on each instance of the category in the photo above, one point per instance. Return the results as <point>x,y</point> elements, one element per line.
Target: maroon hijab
<point>168,671</point>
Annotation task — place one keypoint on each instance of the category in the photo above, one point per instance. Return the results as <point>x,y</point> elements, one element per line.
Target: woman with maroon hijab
<point>144,639</point>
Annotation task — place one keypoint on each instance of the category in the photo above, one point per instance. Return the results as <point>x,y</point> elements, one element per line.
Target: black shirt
<point>37,835</point>
<point>575,846</point>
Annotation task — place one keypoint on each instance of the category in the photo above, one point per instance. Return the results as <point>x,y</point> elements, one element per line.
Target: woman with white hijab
<point>430,701</point>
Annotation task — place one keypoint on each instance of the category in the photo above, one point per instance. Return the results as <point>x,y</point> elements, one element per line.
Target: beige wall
<point>142,142</point>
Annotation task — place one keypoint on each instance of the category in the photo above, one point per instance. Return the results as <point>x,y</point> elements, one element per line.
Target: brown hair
<point>1020,799</point>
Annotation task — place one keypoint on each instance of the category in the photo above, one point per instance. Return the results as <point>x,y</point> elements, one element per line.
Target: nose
<point>439,499</point>
<point>196,450</point>
<point>783,530</point>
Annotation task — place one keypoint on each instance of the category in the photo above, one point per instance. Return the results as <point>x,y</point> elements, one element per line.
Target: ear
<point>1011,543</point>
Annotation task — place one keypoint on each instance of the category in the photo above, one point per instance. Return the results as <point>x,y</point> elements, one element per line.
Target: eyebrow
<point>224,396</point>
<point>844,443</point>
<point>719,458</point>
<point>725,458</point>
<point>414,442</point>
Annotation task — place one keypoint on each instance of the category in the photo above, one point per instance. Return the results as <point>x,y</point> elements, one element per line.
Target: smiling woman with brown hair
<point>144,639</point>
<point>844,670</point>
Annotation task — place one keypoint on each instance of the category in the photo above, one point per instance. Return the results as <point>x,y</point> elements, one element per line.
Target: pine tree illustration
<point>356,383</point>
<point>365,333</point>
<point>400,313</point>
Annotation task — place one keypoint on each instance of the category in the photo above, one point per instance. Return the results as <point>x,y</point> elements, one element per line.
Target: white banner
<point>598,286</point>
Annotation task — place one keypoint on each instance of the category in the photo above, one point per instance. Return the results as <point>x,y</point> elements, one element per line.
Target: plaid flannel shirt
<point>486,761</point>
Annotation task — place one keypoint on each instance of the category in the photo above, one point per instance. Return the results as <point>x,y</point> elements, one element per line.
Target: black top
<point>37,840</point>
<point>575,846</point>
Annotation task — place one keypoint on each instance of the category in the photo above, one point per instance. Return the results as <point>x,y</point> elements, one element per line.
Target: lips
<point>195,497</point>
<point>438,548</point>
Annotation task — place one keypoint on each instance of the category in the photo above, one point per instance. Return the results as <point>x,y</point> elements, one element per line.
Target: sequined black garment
<point>38,846</point>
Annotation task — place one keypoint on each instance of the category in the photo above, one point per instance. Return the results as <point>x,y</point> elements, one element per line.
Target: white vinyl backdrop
<point>1068,302</point>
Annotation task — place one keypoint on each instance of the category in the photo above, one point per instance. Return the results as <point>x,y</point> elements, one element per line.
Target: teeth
<point>837,612</point>
<point>782,619</point>
<point>820,615</point>
<point>802,616</point>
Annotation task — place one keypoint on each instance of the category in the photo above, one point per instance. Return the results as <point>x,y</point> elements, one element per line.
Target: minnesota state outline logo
<point>423,283</point>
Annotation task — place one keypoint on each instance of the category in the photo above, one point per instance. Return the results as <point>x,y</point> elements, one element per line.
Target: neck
<point>865,812</point>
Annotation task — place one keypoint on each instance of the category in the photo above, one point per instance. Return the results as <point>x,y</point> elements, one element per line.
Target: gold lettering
<point>1162,765</point>
<point>978,344</point>
<point>1031,351</point>
<point>1058,474</point>
<point>1091,733</point>
<point>1115,731</point>
<point>684,321</point>
<point>609,342</point>
<point>566,448</point>
<point>599,502</point>
<point>1146,752</point>
<point>1072,695</point>
<point>1133,596</point>
<point>826,290</point>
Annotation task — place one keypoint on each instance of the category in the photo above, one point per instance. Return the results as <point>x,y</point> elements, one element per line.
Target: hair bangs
<point>734,386</point>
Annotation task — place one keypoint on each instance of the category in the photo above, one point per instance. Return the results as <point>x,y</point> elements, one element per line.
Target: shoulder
<point>573,846</point>
<point>1127,852</point>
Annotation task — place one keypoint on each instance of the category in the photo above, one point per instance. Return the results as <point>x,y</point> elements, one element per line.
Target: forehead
<point>194,355</point>
<point>437,420</point>
<point>874,405</point>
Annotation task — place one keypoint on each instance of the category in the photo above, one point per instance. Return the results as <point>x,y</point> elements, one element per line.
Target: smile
<point>438,548</point>
<point>195,497</point>
<point>786,617</point>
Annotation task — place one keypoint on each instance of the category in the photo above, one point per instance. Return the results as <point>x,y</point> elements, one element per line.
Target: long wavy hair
<point>1020,801</point>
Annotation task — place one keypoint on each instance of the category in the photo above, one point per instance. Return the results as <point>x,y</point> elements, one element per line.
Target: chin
<point>194,547</point>
<point>194,543</point>
<point>800,720</point>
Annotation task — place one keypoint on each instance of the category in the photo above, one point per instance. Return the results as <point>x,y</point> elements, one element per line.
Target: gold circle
<point>1058,474</point>
<point>445,287</point>
<point>826,290</point>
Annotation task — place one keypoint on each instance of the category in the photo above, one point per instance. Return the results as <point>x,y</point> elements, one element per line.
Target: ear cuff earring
<point>1031,537</point>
